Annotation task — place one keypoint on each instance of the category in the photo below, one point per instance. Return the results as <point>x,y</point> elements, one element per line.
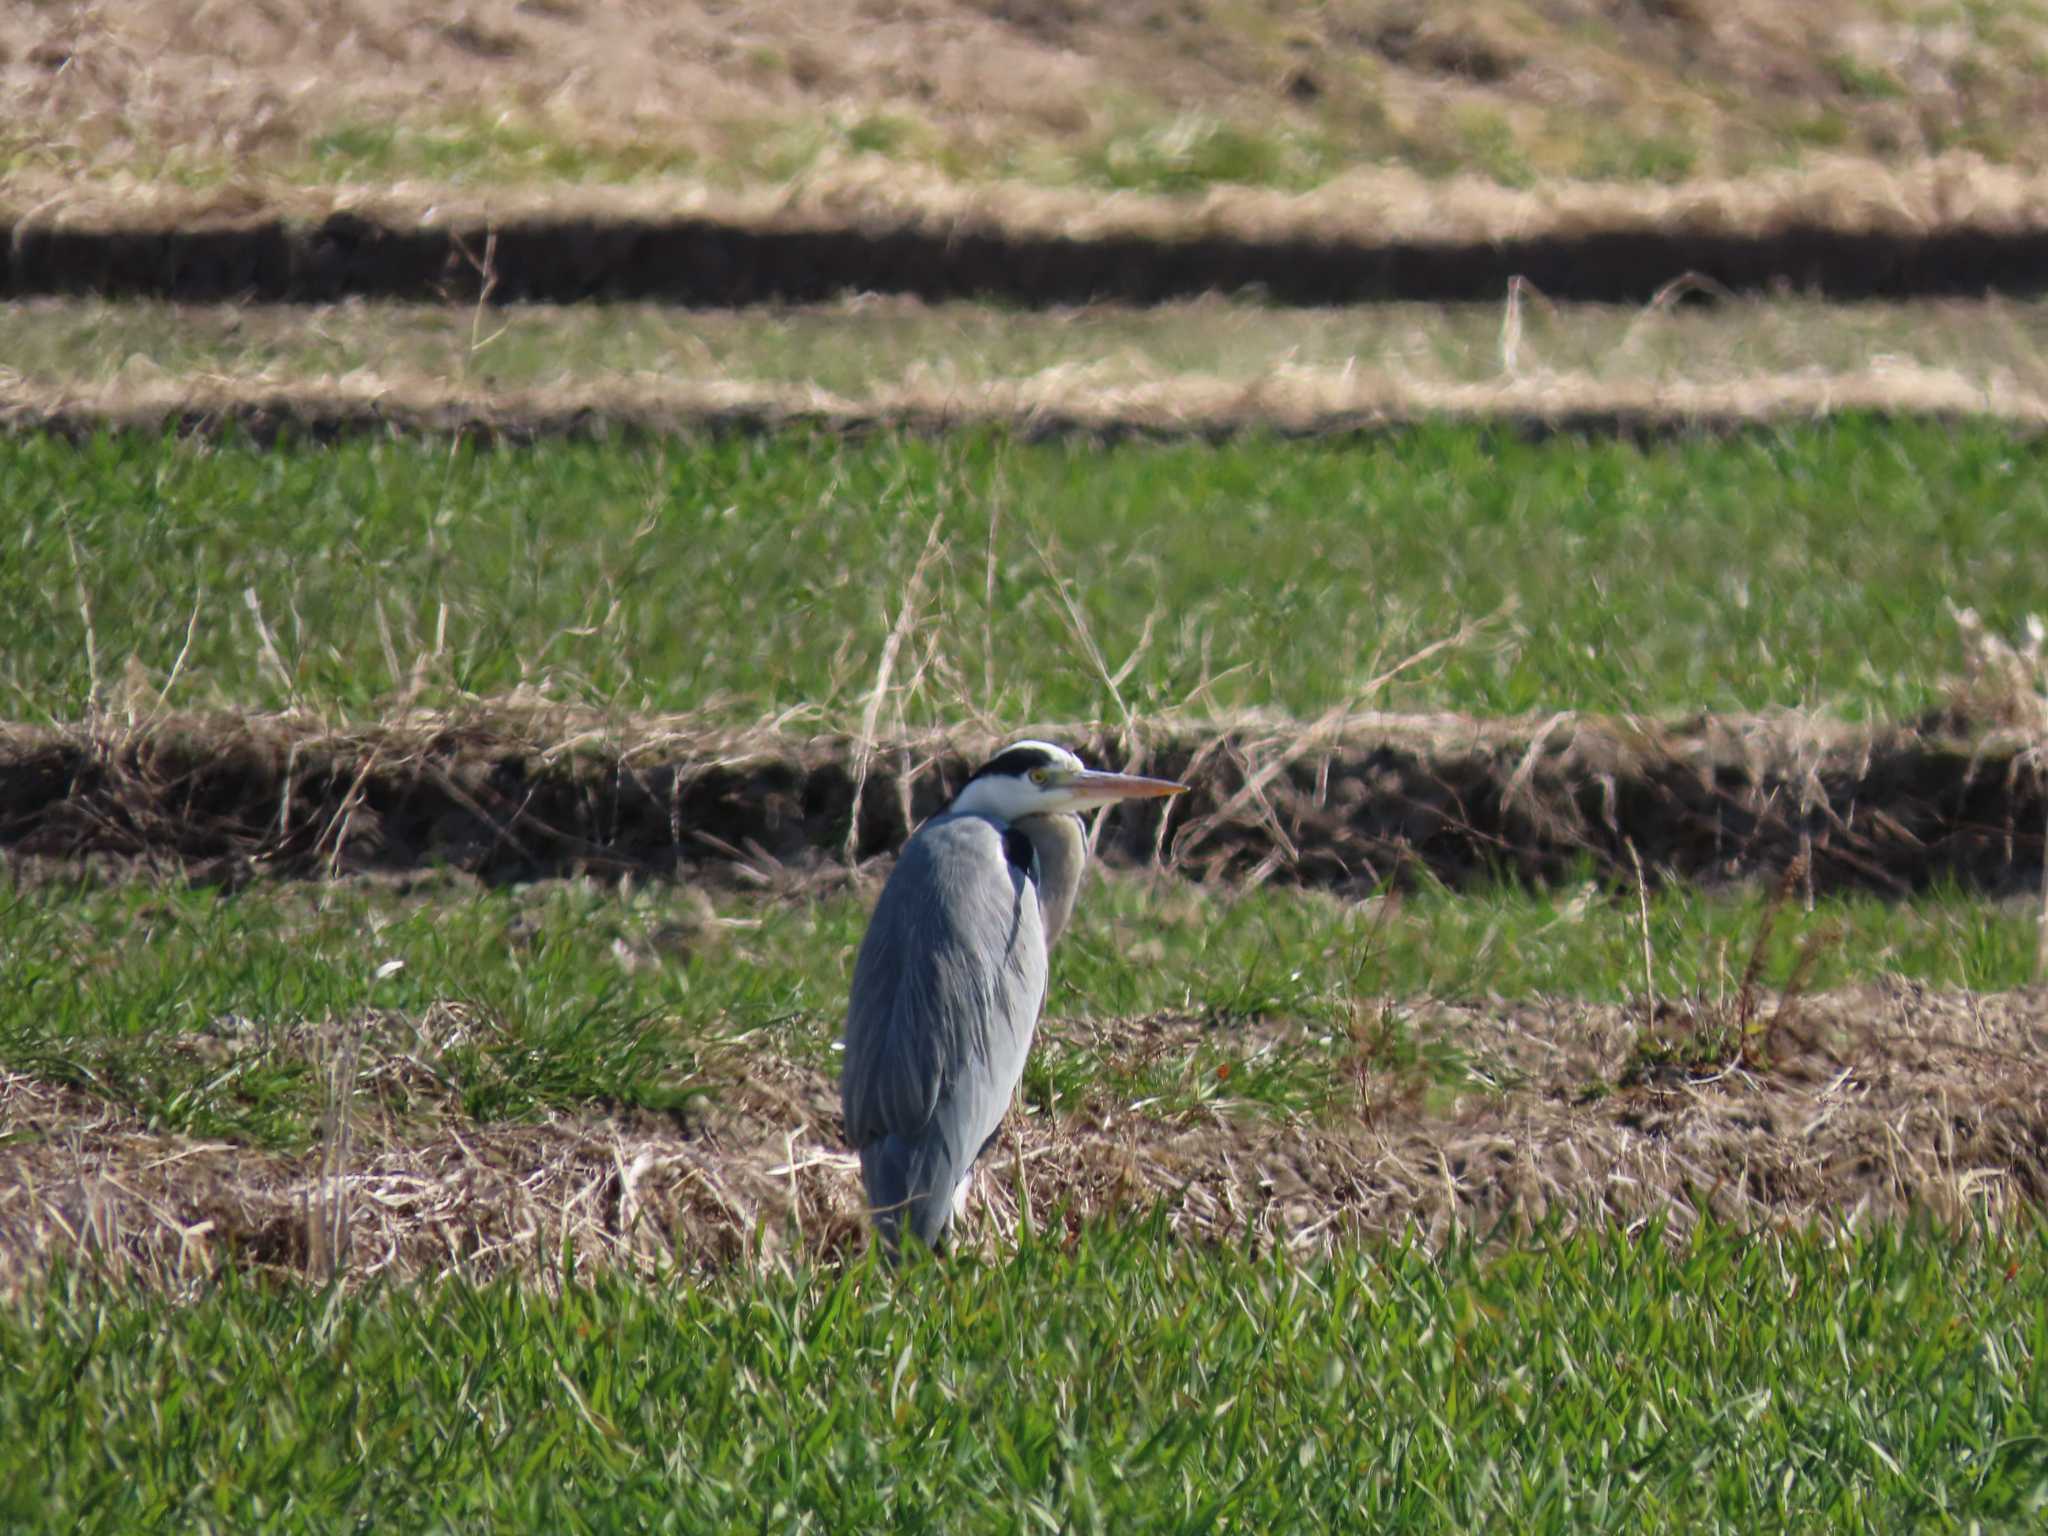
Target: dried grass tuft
<point>2003,682</point>
<point>522,787</point>
<point>1893,1098</point>
<point>1371,205</point>
<point>1058,401</point>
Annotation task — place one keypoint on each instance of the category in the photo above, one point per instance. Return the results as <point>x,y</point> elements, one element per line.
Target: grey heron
<point>951,976</point>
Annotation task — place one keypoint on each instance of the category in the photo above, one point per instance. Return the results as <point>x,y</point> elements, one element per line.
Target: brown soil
<point>1345,803</point>
<point>1899,240</point>
<point>1872,1101</point>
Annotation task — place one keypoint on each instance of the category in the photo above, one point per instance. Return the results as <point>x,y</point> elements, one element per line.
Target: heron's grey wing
<point>946,993</point>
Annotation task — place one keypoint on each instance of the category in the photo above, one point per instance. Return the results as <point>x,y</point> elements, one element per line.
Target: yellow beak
<point>1093,787</point>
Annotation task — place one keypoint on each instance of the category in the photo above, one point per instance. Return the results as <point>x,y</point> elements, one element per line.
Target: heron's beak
<point>1092,787</point>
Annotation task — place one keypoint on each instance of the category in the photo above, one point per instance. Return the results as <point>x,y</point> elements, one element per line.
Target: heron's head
<point>1036,778</point>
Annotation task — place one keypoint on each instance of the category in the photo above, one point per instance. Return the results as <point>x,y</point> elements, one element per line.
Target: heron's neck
<point>1062,853</point>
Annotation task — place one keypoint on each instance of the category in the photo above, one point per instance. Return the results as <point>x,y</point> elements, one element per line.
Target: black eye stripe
<point>1017,760</point>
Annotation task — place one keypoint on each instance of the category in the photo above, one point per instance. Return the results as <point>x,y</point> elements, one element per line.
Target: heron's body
<point>951,977</point>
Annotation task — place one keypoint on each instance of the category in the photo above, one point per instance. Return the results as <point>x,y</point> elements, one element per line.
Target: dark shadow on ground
<point>1891,811</point>
<point>702,262</point>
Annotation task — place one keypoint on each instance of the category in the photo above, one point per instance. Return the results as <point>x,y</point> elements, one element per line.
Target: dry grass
<point>1892,1097</point>
<point>513,789</point>
<point>1146,93</point>
<point>2003,681</point>
<point>1287,398</point>
<point>972,359</point>
<point>1369,207</point>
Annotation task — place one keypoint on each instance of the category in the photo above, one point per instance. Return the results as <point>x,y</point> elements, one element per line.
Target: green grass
<point>218,1015</point>
<point>1118,1381</point>
<point>743,577</point>
<point>483,149</point>
<point>1190,153</point>
<point>859,348</point>
<point>1158,153</point>
<point>517,149</point>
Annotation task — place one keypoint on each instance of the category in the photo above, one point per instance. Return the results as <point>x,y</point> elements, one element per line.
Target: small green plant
<point>1609,153</point>
<point>878,133</point>
<point>357,146</point>
<point>1698,1037</point>
<point>1868,81</point>
<point>484,149</point>
<point>1825,129</point>
<point>1194,152</point>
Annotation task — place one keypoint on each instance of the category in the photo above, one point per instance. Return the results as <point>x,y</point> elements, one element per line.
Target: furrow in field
<point>1345,802</point>
<point>1946,227</point>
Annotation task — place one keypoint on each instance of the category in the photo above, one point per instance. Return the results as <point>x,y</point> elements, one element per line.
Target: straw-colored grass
<point>1155,97</point>
<point>1368,206</point>
<point>514,789</point>
<point>1054,402</point>
<point>1886,1098</point>
<point>1198,365</point>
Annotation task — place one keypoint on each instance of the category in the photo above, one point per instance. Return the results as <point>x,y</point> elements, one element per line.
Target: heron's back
<point>946,993</point>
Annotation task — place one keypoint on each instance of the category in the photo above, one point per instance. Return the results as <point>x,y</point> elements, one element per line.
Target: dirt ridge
<point>707,262</point>
<point>1890,1099</point>
<point>1344,803</point>
<point>1307,403</point>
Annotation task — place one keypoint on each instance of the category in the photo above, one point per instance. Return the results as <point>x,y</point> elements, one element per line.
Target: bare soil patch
<point>1877,1101</point>
<point>1955,229</point>
<point>1346,802</point>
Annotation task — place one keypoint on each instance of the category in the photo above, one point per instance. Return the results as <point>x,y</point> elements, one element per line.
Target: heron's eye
<point>1037,775</point>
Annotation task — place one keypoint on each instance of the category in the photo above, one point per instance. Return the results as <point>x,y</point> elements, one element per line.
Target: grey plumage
<point>952,974</point>
<point>935,1043</point>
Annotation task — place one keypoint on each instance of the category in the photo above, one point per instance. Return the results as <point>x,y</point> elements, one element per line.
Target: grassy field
<point>1115,1381</point>
<point>744,578</point>
<point>1185,1300</point>
<point>210,1099</point>
<point>213,1015</point>
<point>417,1204</point>
<point>1083,1374</point>
<point>944,351</point>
